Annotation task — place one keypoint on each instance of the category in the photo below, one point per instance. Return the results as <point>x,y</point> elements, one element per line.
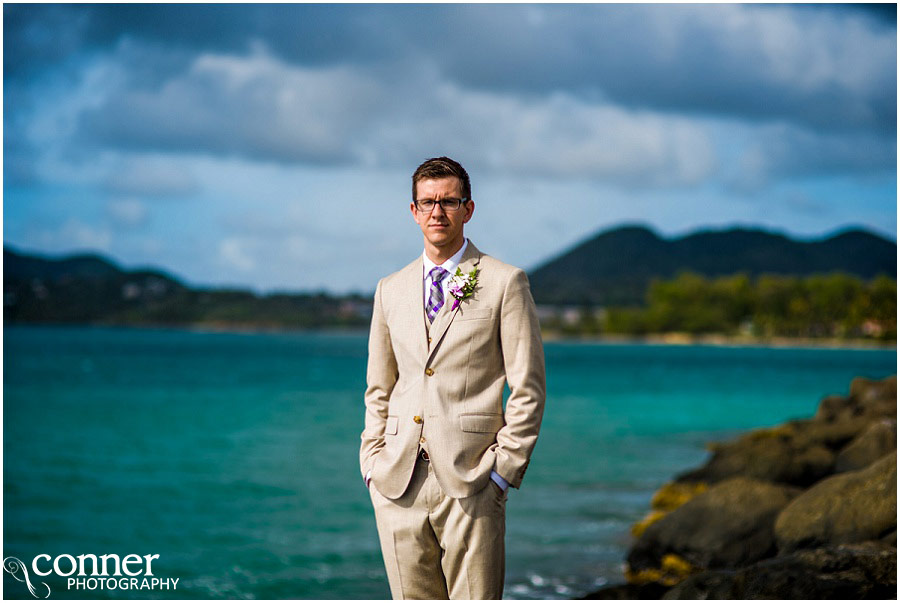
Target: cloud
<point>252,106</point>
<point>822,66</point>
<point>127,212</point>
<point>38,37</point>
<point>72,235</point>
<point>802,202</point>
<point>151,176</point>
<point>260,108</point>
<point>234,253</point>
<point>634,96</point>
<point>558,137</point>
<point>782,151</point>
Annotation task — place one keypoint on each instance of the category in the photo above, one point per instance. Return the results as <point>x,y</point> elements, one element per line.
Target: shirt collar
<point>450,265</point>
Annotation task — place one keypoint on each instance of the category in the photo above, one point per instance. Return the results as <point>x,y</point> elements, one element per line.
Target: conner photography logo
<point>89,572</point>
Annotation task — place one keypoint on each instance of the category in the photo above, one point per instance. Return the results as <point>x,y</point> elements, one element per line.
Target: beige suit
<point>439,387</point>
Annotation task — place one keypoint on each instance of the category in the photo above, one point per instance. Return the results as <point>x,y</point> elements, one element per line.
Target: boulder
<point>831,406</point>
<point>845,508</point>
<point>858,571</point>
<point>674,494</point>
<point>870,391</point>
<point>755,533</point>
<point>783,454</point>
<point>650,590</point>
<point>833,434</point>
<point>868,398</point>
<point>668,498</point>
<point>729,525</point>
<point>879,439</point>
<point>803,451</point>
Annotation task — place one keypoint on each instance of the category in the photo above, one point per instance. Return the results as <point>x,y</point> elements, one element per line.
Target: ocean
<point>234,456</point>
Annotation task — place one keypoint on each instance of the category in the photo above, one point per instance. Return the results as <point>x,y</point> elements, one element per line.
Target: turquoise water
<point>235,456</point>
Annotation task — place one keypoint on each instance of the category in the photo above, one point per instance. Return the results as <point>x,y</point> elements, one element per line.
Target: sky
<point>270,147</point>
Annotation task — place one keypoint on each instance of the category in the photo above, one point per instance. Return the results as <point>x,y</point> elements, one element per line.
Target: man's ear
<point>470,209</point>
<point>415,212</point>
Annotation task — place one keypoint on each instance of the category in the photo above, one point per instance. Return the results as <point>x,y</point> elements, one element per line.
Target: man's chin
<point>438,239</point>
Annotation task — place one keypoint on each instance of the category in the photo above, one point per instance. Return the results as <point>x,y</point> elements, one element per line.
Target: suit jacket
<point>440,386</point>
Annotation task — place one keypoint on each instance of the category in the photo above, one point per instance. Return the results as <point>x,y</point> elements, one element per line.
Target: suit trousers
<point>438,547</point>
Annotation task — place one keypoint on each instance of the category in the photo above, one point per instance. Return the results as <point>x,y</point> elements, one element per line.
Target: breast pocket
<point>474,314</point>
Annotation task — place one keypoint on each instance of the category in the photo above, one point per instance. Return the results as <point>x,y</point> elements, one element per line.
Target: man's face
<point>442,228</point>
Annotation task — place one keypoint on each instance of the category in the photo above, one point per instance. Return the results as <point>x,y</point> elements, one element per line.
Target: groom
<point>438,449</point>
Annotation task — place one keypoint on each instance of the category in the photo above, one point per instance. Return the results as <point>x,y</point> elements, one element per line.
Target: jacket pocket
<point>474,314</point>
<point>481,422</point>
<point>390,428</point>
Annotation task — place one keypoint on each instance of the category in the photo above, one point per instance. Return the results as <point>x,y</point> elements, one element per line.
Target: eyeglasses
<point>426,206</point>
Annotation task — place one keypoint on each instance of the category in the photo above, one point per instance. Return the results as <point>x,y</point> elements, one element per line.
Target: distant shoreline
<point>676,339</point>
<point>668,339</point>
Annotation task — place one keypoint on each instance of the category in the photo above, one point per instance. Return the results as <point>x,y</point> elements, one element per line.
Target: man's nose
<point>438,210</point>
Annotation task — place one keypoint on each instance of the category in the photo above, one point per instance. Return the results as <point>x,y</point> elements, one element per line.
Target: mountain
<point>616,266</point>
<point>613,268</point>
<point>87,265</point>
<point>90,289</point>
<point>78,288</point>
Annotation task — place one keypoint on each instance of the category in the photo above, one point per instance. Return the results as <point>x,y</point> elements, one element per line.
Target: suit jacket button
<point>417,419</point>
<point>429,340</point>
<point>429,371</point>
<point>422,439</point>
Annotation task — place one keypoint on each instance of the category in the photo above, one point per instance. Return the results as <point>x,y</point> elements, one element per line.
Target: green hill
<point>88,288</point>
<point>616,266</point>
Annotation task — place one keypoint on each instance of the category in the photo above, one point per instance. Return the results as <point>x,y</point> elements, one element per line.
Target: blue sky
<point>271,147</point>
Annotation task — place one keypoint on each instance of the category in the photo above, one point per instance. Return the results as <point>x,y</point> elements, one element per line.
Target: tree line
<point>836,305</point>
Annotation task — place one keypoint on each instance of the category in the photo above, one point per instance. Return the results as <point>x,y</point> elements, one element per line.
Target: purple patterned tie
<point>436,297</point>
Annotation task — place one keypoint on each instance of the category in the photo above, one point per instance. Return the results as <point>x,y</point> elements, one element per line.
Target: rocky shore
<point>804,510</point>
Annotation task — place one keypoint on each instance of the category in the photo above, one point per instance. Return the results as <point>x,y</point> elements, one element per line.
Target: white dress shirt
<point>450,266</point>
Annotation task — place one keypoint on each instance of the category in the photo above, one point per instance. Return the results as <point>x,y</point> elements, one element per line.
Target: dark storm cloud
<point>883,12</point>
<point>826,69</point>
<point>825,66</point>
<point>780,152</point>
<point>38,37</point>
<point>626,93</point>
<point>252,107</point>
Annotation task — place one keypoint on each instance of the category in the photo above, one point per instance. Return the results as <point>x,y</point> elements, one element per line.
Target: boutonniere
<point>462,286</point>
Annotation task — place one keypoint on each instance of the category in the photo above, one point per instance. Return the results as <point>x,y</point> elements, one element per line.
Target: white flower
<point>462,285</point>
<point>459,281</point>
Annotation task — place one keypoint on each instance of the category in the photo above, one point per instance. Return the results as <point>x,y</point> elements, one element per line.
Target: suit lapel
<point>471,257</point>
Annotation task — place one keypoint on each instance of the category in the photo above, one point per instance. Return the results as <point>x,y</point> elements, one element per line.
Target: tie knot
<point>437,274</point>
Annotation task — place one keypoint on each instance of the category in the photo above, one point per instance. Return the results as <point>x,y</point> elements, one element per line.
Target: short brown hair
<point>442,167</point>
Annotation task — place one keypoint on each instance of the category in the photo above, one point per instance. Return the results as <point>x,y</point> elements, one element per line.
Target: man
<point>438,451</point>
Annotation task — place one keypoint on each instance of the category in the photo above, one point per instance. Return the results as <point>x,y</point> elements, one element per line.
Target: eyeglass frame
<point>440,202</point>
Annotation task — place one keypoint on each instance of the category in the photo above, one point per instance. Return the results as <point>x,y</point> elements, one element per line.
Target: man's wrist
<point>499,480</point>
